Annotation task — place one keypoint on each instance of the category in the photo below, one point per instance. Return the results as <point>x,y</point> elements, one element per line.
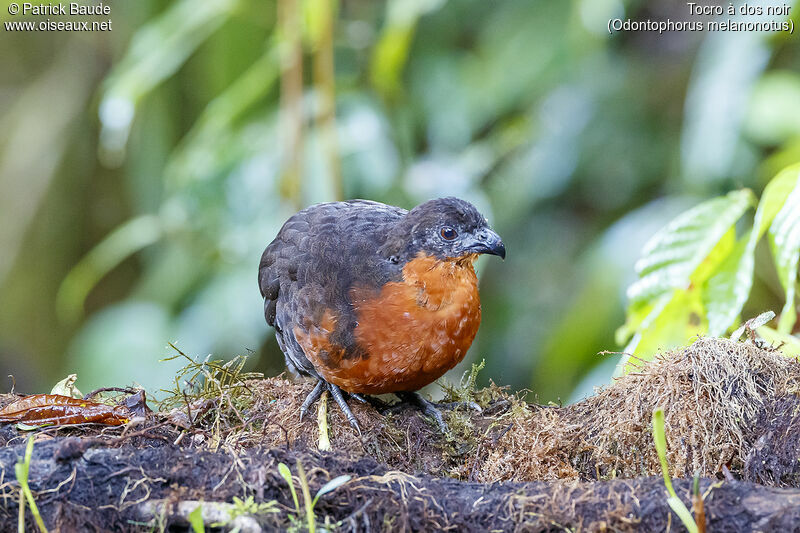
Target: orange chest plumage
<point>412,331</point>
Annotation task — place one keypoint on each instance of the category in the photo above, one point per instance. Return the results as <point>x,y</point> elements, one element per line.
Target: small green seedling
<point>310,503</point>
<point>287,475</point>
<point>248,506</point>
<point>196,520</point>
<point>22,470</point>
<point>660,438</point>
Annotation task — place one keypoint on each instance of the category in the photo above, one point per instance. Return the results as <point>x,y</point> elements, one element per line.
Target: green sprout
<point>660,438</point>
<point>22,469</point>
<point>309,503</point>
<point>196,520</point>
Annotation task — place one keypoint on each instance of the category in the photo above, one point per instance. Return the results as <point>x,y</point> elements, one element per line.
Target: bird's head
<point>446,228</point>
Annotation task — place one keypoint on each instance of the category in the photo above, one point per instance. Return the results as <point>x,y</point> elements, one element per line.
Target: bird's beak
<point>485,241</point>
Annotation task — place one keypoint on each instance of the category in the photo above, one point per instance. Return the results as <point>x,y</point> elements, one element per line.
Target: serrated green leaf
<point>784,237</point>
<point>674,254</point>
<point>727,289</point>
<point>718,255</point>
<point>667,302</point>
<point>674,319</point>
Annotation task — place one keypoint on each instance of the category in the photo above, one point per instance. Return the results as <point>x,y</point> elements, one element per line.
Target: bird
<point>372,299</point>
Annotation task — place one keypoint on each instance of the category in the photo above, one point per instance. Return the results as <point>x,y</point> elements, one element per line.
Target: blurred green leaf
<point>391,52</point>
<point>317,13</point>
<point>789,344</point>
<point>157,50</point>
<point>196,519</point>
<point>774,112</point>
<point>784,236</point>
<point>127,239</point>
<point>190,160</point>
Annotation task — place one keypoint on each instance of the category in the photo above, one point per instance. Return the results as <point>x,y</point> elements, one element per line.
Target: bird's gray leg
<point>358,397</point>
<point>429,408</point>
<point>455,405</point>
<point>312,397</point>
<point>377,403</point>
<point>336,392</point>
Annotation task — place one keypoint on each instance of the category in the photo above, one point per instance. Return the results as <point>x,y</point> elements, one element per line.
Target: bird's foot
<point>377,403</point>
<point>459,405</point>
<point>336,392</point>
<point>429,408</point>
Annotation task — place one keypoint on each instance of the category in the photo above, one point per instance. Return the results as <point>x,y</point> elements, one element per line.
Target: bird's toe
<point>426,406</point>
<point>312,397</point>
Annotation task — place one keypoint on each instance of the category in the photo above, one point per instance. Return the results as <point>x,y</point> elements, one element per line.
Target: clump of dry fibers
<point>712,393</point>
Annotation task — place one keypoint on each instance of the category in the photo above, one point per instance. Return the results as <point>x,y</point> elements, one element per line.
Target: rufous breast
<point>412,331</point>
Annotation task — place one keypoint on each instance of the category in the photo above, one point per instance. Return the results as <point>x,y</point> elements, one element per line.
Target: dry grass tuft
<point>712,393</point>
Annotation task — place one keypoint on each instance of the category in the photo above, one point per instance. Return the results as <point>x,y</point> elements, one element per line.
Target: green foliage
<point>695,275</point>
<point>248,506</point>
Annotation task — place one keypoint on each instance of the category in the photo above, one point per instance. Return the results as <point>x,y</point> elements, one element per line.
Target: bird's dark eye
<point>448,233</point>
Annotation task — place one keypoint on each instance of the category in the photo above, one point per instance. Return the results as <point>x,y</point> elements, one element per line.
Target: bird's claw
<point>336,392</point>
<point>312,397</point>
<point>456,405</point>
<point>429,408</point>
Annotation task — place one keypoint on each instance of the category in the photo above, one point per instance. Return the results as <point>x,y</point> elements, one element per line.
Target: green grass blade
<point>310,518</point>
<point>22,470</point>
<point>675,503</point>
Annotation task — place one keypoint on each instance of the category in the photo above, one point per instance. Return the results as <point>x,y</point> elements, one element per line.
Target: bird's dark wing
<point>306,274</point>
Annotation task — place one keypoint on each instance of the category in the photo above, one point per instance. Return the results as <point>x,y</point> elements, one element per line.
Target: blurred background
<point>143,170</point>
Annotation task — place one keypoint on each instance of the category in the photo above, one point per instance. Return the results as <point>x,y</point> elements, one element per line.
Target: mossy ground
<point>732,412</point>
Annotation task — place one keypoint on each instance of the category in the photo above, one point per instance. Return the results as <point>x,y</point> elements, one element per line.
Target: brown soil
<point>729,407</point>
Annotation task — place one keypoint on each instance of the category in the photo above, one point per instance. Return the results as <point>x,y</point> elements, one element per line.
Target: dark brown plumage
<point>369,298</point>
